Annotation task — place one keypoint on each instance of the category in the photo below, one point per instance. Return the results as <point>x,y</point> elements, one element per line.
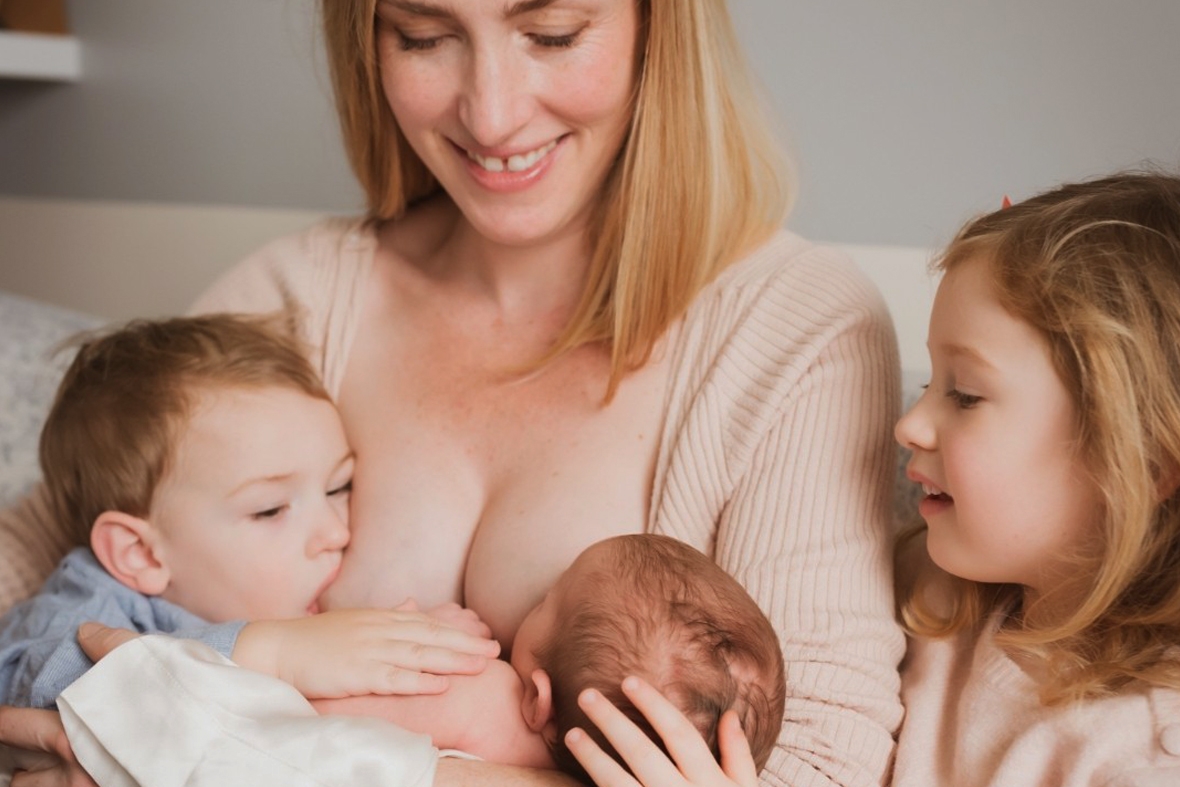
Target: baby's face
<point>545,618</point>
<point>252,516</point>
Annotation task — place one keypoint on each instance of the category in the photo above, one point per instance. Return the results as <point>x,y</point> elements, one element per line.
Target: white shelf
<point>39,56</point>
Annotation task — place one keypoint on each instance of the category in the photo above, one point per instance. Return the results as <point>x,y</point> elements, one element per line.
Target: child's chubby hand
<point>351,652</point>
<point>453,615</point>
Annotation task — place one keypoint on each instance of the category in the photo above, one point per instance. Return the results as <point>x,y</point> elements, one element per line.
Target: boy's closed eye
<point>268,513</point>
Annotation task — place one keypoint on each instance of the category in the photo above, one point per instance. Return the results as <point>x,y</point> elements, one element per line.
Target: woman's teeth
<point>517,163</point>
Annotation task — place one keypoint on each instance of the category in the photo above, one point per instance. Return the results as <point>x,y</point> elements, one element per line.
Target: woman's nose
<point>496,98</point>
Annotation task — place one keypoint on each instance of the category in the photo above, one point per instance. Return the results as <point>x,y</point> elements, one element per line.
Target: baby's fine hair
<point>128,394</point>
<point>665,612</point>
<point>1095,268</point>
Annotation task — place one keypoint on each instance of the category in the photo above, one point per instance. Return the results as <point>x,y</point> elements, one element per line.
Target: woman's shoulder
<point>792,296</point>
<point>293,267</point>
<point>316,277</point>
<point>790,274</point>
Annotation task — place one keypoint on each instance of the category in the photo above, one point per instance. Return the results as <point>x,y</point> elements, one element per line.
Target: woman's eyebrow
<point>419,9</point>
<point>526,6</point>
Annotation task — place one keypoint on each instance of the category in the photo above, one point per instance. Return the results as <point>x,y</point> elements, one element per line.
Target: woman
<point>571,314</point>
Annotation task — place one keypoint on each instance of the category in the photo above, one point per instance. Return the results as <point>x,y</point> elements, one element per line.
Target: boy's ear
<point>125,545</point>
<point>537,705</point>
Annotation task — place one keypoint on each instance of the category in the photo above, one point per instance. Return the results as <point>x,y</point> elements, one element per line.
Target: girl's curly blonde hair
<point>1095,267</point>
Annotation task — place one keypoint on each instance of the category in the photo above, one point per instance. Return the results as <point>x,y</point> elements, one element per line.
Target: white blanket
<point>162,712</point>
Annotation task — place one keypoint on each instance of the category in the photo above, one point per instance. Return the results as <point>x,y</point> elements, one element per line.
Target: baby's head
<point>202,460</point>
<point>1090,272</point>
<point>654,607</point>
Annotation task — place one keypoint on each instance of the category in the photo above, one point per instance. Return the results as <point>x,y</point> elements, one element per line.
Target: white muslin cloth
<point>163,712</point>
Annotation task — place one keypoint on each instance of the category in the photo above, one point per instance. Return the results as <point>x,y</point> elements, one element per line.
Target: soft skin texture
<point>479,86</point>
<point>995,444</point>
<point>773,455</point>
<point>774,458</point>
<point>252,520</point>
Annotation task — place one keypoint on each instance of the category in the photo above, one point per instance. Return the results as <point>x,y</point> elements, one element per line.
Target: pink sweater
<point>973,720</point>
<point>776,458</point>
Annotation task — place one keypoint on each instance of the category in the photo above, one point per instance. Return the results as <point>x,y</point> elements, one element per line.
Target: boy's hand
<point>350,652</point>
<point>452,615</point>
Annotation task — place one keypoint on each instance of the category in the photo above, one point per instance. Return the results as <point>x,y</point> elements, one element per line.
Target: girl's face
<point>518,107</point>
<point>994,440</point>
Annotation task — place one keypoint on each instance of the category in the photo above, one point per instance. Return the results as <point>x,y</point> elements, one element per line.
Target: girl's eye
<point>343,489</point>
<point>269,513</point>
<point>963,401</point>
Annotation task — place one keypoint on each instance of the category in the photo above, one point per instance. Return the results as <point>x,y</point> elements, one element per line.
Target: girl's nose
<point>915,429</point>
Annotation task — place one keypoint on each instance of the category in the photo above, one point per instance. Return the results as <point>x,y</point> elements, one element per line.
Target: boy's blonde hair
<point>666,612</point>
<point>699,180</point>
<point>1095,267</point>
<point>124,401</point>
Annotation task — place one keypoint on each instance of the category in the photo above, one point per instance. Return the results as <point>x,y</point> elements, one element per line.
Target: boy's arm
<point>362,651</point>
<point>478,714</point>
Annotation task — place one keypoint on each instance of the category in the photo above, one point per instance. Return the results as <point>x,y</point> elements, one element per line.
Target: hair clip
<point>1005,203</point>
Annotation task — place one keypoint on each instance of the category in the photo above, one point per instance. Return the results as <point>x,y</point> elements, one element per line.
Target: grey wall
<point>904,117</point>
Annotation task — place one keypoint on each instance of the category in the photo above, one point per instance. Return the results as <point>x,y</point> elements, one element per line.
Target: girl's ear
<point>125,545</point>
<point>537,705</point>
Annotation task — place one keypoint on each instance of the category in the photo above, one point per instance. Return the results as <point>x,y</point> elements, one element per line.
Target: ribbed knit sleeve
<point>777,459</point>
<point>317,277</point>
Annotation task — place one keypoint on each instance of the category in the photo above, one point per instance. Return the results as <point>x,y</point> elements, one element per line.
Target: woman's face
<point>518,107</point>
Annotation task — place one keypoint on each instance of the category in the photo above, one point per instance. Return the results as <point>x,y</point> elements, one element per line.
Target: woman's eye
<point>555,42</point>
<point>964,401</point>
<point>343,489</point>
<point>409,44</point>
<point>269,513</point>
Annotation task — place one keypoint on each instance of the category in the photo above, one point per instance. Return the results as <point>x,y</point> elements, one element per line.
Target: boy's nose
<point>331,535</point>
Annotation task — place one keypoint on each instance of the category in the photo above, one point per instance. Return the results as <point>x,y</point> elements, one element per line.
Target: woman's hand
<point>691,761</point>
<point>40,750</point>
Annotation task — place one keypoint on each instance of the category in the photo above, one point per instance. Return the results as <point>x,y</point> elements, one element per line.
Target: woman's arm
<point>780,464</point>
<point>806,531</point>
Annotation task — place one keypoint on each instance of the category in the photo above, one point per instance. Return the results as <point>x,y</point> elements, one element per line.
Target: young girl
<point>1045,605</point>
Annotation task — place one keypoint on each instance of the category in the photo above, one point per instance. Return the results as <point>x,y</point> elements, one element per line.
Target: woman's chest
<point>482,489</point>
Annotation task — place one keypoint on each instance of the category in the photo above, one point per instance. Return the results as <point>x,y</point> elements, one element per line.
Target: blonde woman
<point>571,312</point>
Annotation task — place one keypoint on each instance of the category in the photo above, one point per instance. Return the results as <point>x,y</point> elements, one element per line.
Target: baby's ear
<point>537,705</point>
<point>125,545</point>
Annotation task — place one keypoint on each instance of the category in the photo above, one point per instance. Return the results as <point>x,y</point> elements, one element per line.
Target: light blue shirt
<point>39,652</point>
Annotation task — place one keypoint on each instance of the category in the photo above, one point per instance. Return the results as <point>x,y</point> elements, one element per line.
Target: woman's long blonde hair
<point>698,183</point>
<point>1095,267</point>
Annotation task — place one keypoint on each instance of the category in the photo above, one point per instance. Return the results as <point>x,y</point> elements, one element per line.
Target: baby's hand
<point>452,615</point>
<point>350,652</point>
